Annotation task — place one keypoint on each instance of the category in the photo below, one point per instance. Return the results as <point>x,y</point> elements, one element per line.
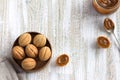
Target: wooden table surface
<point>72,26</point>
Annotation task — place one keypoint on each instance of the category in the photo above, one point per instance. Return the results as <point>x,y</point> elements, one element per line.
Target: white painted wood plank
<point>72,27</point>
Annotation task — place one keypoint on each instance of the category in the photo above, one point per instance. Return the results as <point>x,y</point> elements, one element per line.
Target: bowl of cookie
<point>31,51</point>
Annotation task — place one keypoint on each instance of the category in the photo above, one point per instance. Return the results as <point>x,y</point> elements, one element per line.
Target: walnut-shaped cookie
<point>31,51</point>
<point>44,53</point>
<point>39,40</point>
<point>28,64</point>
<point>18,52</point>
<point>24,39</point>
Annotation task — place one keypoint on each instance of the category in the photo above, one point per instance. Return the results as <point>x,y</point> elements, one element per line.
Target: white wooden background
<point>72,27</point>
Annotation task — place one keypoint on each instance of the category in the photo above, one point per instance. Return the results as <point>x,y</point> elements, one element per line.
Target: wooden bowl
<point>40,64</point>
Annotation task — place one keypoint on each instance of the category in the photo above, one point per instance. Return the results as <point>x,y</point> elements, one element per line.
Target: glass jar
<point>106,6</point>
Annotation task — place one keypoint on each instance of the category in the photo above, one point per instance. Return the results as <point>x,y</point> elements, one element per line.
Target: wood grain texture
<point>72,27</point>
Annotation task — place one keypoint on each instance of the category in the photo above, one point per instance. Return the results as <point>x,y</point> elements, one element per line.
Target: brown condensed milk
<point>106,6</point>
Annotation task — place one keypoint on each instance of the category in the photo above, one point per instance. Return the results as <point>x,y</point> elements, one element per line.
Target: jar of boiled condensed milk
<point>106,6</point>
